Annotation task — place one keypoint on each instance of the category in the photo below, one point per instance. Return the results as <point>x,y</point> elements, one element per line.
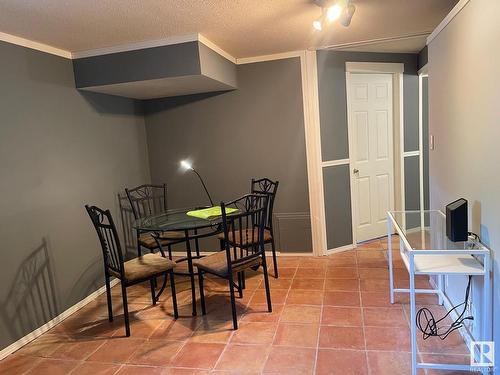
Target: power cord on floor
<point>429,326</point>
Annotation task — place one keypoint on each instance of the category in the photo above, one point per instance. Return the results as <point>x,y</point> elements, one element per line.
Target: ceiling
<point>243,28</point>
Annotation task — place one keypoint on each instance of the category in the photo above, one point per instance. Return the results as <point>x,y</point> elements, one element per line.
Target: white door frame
<point>397,70</point>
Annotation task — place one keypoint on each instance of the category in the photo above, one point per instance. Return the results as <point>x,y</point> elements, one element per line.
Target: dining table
<point>194,229</point>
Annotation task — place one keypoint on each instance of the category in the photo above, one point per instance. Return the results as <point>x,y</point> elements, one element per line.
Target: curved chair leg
<point>125,310</point>
<point>139,249</point>
<point>174,295</point>
<point>275,260</point>
<point>266,283</point>
<point>108,295</point>
<point>152,283</point>
<point>202,293</point>
<point>240,284</point>
<point>233,301</point>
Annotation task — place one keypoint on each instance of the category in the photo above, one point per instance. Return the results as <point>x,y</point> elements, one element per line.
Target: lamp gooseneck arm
<point>204,186</point>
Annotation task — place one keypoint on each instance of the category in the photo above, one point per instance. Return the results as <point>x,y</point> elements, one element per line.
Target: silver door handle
<point>355,171</point>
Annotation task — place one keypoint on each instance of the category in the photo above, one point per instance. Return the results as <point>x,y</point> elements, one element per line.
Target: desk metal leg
<point>485,324</point>
<point>440,288</point>
<point>413,317</point>
<point>389,243</point>
<point>191,271</point>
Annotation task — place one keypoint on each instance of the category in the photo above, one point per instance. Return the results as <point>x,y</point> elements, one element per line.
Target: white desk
<point>425,250</point>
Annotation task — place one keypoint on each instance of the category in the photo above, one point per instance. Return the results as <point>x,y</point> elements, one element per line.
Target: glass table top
<point>174,220</point>
<point>426,230</point>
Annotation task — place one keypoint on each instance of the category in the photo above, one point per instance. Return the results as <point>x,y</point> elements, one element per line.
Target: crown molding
<point>136,46</point>
<point>276,56</point>
<point>214,47</point>
<point>9,38</point>
<point>453,13</point>
<point>142,45</point>
<point>368,42</point>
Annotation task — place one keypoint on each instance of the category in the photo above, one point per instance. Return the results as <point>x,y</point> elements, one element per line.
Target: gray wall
<point>464,117</point>
<point>59,149</point>
<point>255,131</point>
<point>334,137</point>
<point>149,63</point>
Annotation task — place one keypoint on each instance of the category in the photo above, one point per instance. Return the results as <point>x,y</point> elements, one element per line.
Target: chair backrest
<point>147,200</point>
<point>108,237</point>
<point>268,187</point>
<point>244,229</point>
<point>129,233</point>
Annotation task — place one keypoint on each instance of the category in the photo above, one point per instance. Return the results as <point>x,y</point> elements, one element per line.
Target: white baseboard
<point>52,323</point>
<point>268,253</point>
<point>340,249</point>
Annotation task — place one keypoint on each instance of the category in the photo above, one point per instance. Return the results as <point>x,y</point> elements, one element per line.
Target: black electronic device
<point>456,220</point>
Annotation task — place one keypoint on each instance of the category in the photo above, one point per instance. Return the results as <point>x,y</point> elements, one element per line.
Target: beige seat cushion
<point>148,241</point>
<point>217,263</point>
<point>247,236</point>
<point>145,266</point>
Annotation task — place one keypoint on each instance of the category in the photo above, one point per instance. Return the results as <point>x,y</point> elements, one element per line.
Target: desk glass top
<point>426,230</point>
<point>174,220</point>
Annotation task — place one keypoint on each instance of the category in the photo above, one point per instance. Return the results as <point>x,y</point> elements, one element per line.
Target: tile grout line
<point>226,346</point>
<point>315,368</point>
<point>368,369</point>
<point>279,320</point>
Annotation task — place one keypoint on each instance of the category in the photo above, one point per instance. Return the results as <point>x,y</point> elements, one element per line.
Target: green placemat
<point>211,212</point>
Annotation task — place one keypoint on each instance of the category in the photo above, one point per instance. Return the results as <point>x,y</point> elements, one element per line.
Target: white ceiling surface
<point>243,28</point>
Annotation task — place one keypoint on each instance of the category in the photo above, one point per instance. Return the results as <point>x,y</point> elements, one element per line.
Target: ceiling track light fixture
<point>331,11</point>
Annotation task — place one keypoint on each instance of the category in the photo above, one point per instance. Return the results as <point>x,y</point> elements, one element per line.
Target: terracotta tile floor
<point>331,316</point>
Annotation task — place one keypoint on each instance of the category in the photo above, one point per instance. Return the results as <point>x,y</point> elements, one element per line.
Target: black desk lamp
<point>187,166</point>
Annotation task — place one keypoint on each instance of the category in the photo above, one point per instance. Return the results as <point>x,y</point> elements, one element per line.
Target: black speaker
<point>456,220</point>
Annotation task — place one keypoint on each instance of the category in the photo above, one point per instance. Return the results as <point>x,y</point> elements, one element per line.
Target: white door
<point>371,152</point>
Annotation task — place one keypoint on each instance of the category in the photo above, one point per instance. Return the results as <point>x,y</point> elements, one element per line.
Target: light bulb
<point>186,165</point>
<point>317,25</point>
<point>334,12</point>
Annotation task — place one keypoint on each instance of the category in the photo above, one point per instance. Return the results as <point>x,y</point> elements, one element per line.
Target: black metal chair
<point>267,187</point>
<point>131,272</point>
<point>243,247</point>
<point>147,200</point>
<point>270,188</point>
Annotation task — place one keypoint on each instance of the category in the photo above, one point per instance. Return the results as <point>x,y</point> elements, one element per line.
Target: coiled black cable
<point>428,325</point>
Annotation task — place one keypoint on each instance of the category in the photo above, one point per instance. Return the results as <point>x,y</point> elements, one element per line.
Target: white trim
<point>421,143</point>
<point>333,163</point>
<point>354,216</point>
<point>276,56</point>
<point>136,46</point>
<point>453,13</point>
<point>411,153</point>
<point>424,70</point>
<point>368,42</point>
<point>310,92</point>
<point>374,67</point>
<point>34,45</point>
<point>214,47</point>
<point>301,254</point>
<point>52,323</point>
<point>340,249</point>
<point>268,253</point>
<point>401,142</point>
